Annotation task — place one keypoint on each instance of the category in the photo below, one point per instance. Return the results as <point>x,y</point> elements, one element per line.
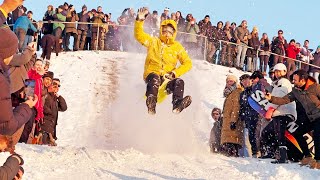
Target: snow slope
<point>107,134</point>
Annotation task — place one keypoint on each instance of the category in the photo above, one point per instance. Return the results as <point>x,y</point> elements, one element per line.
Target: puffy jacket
<point>281,88</point>
<point>163,54</point>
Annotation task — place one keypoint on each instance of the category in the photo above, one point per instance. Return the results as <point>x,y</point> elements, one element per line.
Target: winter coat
<point>163,54</point>
<point>83,18</point>
<point>10,168</point>
<point>52,105</point>
<point>265,46</point>
<point>24,23</point>
<point>215,134</point>
<point>192,29</point>
<point>181,24</point>
<point>231,110</point>
<point>98,18</point>
<point>309,97</point>
<point>37,91</point>
<point>61,18</point>
<point>281,88</point>
<point>315,61</point>
<point>71,27</point>
<point>204,27</point>
<point>46,27</point>
<point>255,44</point>
<point>278,47</point>
<point>10,120</point>
<point>19,67</point>
<point>292,51</point>
<point>247,113</point>
<point>240,33</point>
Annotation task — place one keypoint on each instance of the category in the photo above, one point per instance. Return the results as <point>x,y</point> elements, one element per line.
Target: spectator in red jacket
<point>292,51</point>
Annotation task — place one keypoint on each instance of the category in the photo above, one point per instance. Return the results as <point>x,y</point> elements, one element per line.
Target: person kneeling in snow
<point>163,55</point>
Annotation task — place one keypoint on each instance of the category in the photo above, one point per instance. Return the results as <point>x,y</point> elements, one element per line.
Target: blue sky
<point>298,19</point>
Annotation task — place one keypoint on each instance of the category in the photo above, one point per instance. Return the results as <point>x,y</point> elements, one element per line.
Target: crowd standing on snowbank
<point>237,131</point>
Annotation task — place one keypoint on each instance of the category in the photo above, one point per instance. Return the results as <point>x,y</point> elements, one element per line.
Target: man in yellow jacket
<point>161,62</point>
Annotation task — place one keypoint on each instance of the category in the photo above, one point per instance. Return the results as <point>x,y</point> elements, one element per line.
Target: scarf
<point>228,90</point>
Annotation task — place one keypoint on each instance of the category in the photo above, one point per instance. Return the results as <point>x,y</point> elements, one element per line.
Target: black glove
<point>233,126</point>
<point>170,75</point>
<point>17,155</point>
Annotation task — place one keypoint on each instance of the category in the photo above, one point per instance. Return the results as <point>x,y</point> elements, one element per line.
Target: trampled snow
<point>106,132</point>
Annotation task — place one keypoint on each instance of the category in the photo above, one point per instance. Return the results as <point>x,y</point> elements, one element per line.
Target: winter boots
<point>283,156</point>
<point>181,104</point>
<point>151,104</point>
<point>178,105</point>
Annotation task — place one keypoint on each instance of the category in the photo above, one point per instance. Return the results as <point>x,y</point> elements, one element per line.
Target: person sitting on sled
<point>162,57</point>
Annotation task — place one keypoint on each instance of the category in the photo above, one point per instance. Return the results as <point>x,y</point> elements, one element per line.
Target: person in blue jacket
<point>21,27</point>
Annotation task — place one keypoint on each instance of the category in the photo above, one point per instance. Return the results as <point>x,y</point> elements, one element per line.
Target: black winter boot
<point>181,104</point>
<point>151,104</point>
<point>283,156</point>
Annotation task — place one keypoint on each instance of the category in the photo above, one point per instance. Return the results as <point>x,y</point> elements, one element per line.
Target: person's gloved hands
<point>233,125</point>
<point>17,156</point>
<point>142,14</point>
<point>170,75</point>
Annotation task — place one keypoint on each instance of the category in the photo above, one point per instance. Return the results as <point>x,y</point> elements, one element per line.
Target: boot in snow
<point>283,156</point>
<point>151,104</point>
<point>181,104</point>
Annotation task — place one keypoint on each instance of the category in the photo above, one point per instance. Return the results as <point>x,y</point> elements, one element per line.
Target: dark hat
<point>256,74</point>
<point>155,12</point>
<point>245,76</point>
<point>93,10</point>
<point>207,16</point>
<point>61,7</point>
<point>48,74</point>
<point>8,43</point>
<point>65,3</point>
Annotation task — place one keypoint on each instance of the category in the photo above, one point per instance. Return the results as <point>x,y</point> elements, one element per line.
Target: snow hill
<point>107,134</point>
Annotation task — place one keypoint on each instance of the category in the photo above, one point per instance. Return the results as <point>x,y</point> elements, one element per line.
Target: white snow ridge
<point>106,133</point>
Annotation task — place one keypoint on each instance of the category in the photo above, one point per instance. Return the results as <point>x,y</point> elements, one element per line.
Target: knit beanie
<point>232,77</point>
<point>8,43</point>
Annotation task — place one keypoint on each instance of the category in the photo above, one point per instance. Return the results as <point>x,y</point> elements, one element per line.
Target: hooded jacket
<point>163,54</point>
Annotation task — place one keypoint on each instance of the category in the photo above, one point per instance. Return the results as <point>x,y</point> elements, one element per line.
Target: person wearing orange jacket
<point>163,53</point>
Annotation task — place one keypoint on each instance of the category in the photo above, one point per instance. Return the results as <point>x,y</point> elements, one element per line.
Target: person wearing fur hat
<point>232,126</point>
<point>10,119</point>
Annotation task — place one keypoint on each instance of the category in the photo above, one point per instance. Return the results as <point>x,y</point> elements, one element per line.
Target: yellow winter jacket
<point>162,56</point>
